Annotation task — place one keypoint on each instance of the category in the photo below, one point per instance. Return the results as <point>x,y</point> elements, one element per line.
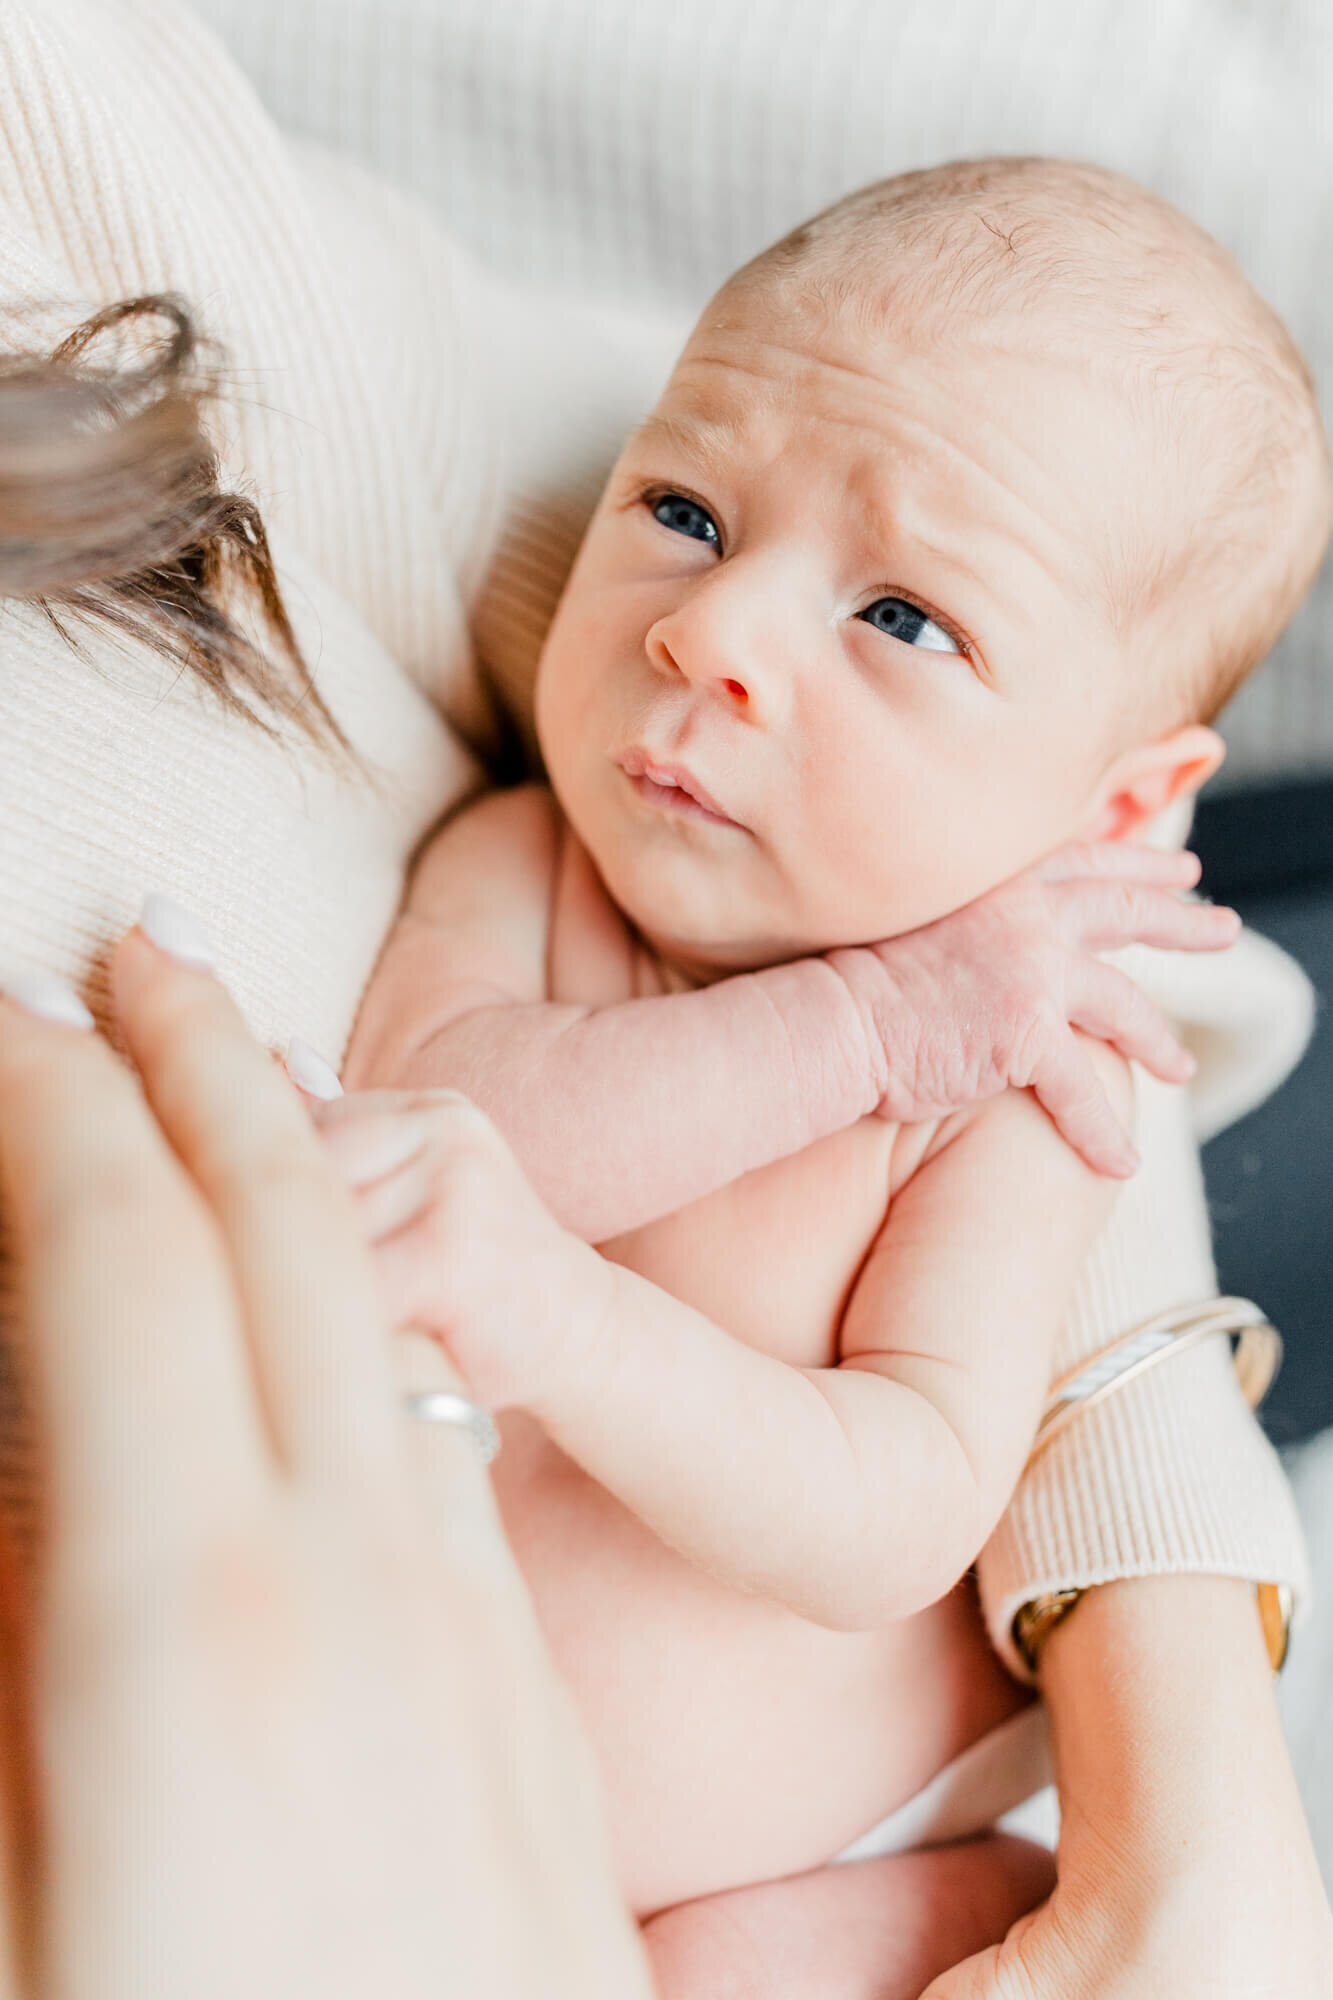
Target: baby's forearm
<point>838,1492</point>
<point>622,1114</point>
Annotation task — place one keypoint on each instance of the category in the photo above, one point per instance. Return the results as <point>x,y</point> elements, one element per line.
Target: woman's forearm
<point>1167,1741</point>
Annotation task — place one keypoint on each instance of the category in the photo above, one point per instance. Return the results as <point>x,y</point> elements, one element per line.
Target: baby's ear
<point>1144,781</point>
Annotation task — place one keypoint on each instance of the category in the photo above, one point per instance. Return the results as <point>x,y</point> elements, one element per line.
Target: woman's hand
<point>1185,1865</point>
<point>296,1729</point>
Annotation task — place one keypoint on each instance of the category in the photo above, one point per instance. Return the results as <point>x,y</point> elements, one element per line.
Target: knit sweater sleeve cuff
<point>1170,1474</point>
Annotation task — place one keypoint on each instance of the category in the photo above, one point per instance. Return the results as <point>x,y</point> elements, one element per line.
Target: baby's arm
<point>623,1113</point>
<point>856,1494</point>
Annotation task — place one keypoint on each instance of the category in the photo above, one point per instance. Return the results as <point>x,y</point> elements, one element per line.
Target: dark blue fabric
<point>1270,1178</point>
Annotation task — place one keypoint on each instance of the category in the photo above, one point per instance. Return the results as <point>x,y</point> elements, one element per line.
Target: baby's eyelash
<point>648,496</point>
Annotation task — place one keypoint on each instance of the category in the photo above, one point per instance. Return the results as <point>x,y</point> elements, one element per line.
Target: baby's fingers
<point>365,1139</point>
<point>1068,1089</point>
<point>1121,860</point>
<point>1108,1004</point>
<point>1103,916</point>
<point>388,1205</point>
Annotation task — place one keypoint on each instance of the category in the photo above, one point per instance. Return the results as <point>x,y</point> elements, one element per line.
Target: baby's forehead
<point>1173,365</point>
<point>975,411</point>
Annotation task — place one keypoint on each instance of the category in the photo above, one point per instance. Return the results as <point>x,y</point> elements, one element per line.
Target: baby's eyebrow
<point>948,544</point>
<point>709,439</point>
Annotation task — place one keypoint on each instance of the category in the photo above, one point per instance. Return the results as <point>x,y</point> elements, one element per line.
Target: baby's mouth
<point>672,789</point>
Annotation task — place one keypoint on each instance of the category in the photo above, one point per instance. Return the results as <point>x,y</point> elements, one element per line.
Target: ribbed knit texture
<point>1168,1473</point>
<point>134,157</point>
<point>637,154</point>
<point>374,380</point>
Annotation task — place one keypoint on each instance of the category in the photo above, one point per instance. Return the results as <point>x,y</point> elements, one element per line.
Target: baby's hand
<point>989,998</point>
<point>463,1247</point>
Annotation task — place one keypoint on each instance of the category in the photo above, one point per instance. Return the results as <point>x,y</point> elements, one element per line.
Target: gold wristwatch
<point>1035,1622</point>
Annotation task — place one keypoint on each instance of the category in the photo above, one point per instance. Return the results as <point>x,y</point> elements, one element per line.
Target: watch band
<point>1035,1621</point>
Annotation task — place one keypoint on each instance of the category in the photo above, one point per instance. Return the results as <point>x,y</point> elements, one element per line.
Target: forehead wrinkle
<point>781,392</point>
<point>998,512</point>
<point>891,522</point>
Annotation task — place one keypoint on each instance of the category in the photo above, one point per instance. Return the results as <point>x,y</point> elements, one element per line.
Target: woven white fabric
<point>636,154</point>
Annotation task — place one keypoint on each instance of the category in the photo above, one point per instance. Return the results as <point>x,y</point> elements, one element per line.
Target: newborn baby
<point>965,508</point>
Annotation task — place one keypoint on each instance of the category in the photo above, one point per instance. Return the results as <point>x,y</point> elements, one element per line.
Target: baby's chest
<point>773,1257</point>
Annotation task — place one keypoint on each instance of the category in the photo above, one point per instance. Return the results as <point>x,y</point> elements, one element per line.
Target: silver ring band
<point>446,1406</point>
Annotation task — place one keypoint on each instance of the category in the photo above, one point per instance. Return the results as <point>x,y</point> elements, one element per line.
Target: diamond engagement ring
<point>446,1406</point>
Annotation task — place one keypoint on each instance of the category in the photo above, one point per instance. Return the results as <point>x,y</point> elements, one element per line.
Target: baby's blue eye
<point>909,623</point>
<point>686,517</point>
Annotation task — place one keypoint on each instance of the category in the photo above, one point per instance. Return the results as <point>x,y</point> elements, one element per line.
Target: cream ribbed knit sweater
<point>362,353</point>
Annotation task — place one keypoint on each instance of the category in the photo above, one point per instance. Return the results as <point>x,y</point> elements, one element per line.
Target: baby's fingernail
<point>41,993</point>
<point>309,1071</point>
<point>174,931</point>
<point>1187,1064</point>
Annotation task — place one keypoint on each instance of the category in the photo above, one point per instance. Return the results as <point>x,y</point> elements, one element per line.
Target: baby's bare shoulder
<point>504,841</point>
<point>509,895</point>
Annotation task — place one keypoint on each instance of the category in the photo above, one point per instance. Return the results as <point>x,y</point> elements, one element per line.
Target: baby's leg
<point>867,1930</point>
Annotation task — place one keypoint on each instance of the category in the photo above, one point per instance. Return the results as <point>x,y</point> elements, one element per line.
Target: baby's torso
<point>738,1741</point>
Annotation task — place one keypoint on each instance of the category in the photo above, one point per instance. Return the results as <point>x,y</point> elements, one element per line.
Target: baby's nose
<point>667,652</point>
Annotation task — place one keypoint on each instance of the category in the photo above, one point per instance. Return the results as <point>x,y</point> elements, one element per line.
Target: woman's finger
<point>302,1272</point>
<point>129,1321</point>
<point>445,1468</point>
<point>313,1074</point>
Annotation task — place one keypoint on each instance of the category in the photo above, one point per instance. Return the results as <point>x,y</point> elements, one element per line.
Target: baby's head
<point>965,509</point>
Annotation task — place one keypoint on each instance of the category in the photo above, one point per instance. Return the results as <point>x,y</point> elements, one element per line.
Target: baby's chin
<point>698,953</point>
<point>693,909</point>
<point>699,959</point>
<point>700,948</point>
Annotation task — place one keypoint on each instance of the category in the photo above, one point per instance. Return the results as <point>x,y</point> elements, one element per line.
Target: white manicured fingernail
<point>174,931</point>
<point>43,994</point>
<point>308,1070</point>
